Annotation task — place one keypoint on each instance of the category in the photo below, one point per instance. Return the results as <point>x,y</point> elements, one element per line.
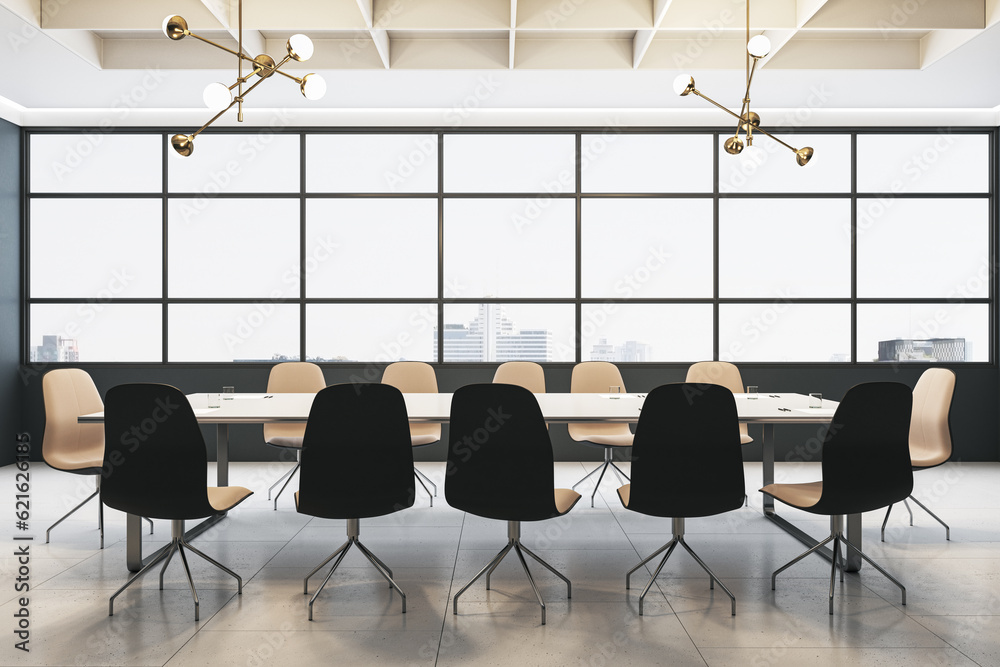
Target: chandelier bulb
<point>313,86</point>
<point>733,146</point>
<point>684,84</point>
<point>175,27</point>
<point>300,47</point>
<point>759,46</point>
<point>183,144</point>
<point>217,96</point>
<point>803,155</point>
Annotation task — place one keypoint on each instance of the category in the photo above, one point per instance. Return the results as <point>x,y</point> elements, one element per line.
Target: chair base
<point>603,468</point>
<point>678,538</point>
<point>100,514</point>
<point>421,477</point>
<point>947,529</point>
<point>353,531</point>
<point>287,477</point>
<point>838,537</point>
<point>177,545</point>
<point>514,542</point>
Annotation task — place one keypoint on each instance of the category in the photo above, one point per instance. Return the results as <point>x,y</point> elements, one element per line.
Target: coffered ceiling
<point>425,53</point>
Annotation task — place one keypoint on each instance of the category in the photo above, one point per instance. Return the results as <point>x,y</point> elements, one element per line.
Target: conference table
<point>768,410</point>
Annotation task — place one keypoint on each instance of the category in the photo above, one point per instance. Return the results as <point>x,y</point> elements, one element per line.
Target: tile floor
<point>952,616</point>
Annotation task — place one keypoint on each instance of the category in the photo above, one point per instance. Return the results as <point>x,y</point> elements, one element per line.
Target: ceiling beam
<point>228,16</point>
<point>513,33</point>
<point>937,44</point>
<point>643,38</point>
<point>804,11</point>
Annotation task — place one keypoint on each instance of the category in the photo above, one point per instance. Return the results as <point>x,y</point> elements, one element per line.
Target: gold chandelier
<point>746,120</point>
<point>219,97</point>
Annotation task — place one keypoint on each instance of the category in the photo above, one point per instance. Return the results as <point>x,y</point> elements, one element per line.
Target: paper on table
<point>819,412</point>
<point>241,396</point>
<point>203,411</point>
<point>618,395</point>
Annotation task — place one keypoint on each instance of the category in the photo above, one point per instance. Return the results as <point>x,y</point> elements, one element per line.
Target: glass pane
<point>934,332</point>
<point>371,163</point>
<point>371,332</point>
<point>509,248</point>
<point>262,162</point>
<point>774,169</point>
<point>371,248</point>
<point>782,331</point>
<point>263,332</point>
<point>924,248</point>
<point>98,331</point>
<point>508,332</point>
<point>784,248</point>
<point>612,162</point>
<point>237,248</point>
<point>99,249</point>
<point>642,333</point>
<point>647,248</point>
<point>510,163</point>
<point>936,162</point>
<point>96,162</point>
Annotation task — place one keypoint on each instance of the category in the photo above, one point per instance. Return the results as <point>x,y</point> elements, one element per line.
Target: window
<point>491,245</point>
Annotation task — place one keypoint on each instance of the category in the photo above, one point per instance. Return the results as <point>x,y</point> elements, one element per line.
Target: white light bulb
<point>300,47</point>
<point>752,154</point>
<point>682,82</point>
<point>759,46</point>
<point>217,96</point>
<point>313,86</point>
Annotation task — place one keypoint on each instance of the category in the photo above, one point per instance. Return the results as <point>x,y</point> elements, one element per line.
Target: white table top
<point>557,408</point>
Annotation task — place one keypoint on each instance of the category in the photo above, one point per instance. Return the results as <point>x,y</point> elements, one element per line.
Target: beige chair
<point>416,377</point>
<point>930,430</point>
<point>596,377</point>
<point>68,445</point>
<point>722,373</point>
<point>293,377</point>
<point>525,374</point>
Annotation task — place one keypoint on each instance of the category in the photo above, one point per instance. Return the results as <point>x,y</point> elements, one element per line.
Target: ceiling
<point>436,59</point>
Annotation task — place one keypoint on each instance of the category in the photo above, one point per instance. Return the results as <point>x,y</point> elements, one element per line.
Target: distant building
<point>55,349</point>
<point>492,336</point>
<point>631,350</point>
<point>929,349</point>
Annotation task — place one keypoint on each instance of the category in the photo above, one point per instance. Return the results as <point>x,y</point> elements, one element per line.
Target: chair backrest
<point>721,373</point>
<point>414,377</point>
<point>292,377</point>
<point>500,457</point>
<point>68,393</point>
<point>687,460</point>
<point>525,374</point>
<point>595,377</point>
<point>357,460</point>
<point>930,424</point>
<point>154,456</point>
<point>866,457</point>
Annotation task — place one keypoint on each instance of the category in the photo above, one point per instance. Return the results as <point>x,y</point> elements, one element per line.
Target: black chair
<point>358,427</point>
<point>155,465</point>
<point>498,434</point>
<point>866,466</point>
<point>687,461</point>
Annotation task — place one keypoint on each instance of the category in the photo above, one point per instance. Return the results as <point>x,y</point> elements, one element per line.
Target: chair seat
<point>745,439</point>
<point>624,492</point>
<point>86,460</point>
<point>803,495</point>
<point>920,458</point>
<point>224,498</point>
<point>288,441</point>
<point>421,440</point>
<point>565,499</point>
<point>608,440</point>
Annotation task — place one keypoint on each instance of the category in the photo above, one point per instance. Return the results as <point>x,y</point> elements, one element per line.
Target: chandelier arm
<point>215,44</point>
<point>709,99</point>
<point>745,109</point>
<point>766,133</point>
<point>212,120</point>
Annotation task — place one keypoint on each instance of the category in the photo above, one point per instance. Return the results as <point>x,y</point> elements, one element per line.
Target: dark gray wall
<point>974,417</point>
<point>10,288</point>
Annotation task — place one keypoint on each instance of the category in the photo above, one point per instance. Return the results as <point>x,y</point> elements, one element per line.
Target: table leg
<point>222,454</point>
<point>854,535</point>
<point>133,542</point>
<point>767,464</point>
